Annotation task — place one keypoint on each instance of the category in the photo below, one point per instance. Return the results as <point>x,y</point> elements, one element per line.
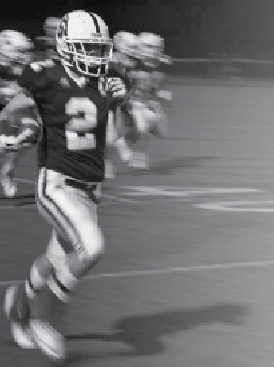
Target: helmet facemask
<point>89,58</point>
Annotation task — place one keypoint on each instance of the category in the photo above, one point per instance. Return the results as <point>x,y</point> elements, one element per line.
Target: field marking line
<point>32,182</point>
<point>167,271</point>
<point>238,206</point>
<point>117,198</point>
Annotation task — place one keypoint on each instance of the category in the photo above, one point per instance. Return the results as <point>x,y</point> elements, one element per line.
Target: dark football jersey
<point>45,48</point>
<point>73,118</point>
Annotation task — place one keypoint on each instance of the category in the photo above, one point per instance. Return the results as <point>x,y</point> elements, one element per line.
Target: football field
<point>187,279</point>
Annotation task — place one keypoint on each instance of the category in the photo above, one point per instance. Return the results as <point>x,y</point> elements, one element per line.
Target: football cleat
<point>48,340</point>
<point>14,310</point>
<point>9,300</point>
<point>22,336</point>
<point>19,330</point>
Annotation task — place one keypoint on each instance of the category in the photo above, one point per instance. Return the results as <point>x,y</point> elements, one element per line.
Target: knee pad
<point>91,249</point>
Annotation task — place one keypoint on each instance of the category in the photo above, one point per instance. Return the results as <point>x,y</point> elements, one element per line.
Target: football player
<point>16,50</point>
<point>73,96</point>
<point>123,60</point>
<point>146,98</point>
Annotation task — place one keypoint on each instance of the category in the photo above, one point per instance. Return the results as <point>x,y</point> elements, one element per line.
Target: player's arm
<point>26,120</point>
<point>29,127</point>
<point>24,102</point>
<point>21,111</point>
<point>21,100</point>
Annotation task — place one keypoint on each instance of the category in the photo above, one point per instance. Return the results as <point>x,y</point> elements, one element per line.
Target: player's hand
<point>116,87</point>
<point>8,143</point>
<point>3,142</point>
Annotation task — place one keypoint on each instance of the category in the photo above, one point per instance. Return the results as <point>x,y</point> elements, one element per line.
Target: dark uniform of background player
<point>45,45</point>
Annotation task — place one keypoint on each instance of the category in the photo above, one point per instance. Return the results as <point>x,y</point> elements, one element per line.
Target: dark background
<point>196,28</point>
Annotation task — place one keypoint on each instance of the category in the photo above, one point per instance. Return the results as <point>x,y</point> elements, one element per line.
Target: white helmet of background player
<point>15,47</point>
<point>82,42</point>
<point>50,26</point>
<point>125,42</point>
<point>150,46</point>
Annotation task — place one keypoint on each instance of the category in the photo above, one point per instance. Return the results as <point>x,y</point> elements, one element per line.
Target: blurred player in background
<point>147,99</point>
<point>16,51</point>
<point>123,60</point>
<point>74,95</point>
<point>45,45</point>
<point>142,61</point>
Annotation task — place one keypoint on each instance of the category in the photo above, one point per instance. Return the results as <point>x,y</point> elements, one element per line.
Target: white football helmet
<point>125,42</point>
<point>82,42</point>
<point>150,46</point>
<point>50,26</point>
<point>15,47</point>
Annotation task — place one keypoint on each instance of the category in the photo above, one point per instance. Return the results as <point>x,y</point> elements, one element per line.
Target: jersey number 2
<point>83,118</point>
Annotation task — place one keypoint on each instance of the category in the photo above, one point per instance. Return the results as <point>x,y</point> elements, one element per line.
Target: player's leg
<point>150,119</point>
<point>110,142</point>
<point>8,160</point>
<point>141,115</point>
<point>18,299</point>
<point>7,174</point>
<point>126,133</point>
<point>19,320</point>
<point>72,212</point>
<point>157,120</point>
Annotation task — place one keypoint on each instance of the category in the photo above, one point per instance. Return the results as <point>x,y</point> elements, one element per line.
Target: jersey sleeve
<point>32,82</point>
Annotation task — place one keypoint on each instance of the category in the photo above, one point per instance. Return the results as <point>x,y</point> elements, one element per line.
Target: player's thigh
<point>157,121</point>
<point>71,212</point>
<point>139,112</point>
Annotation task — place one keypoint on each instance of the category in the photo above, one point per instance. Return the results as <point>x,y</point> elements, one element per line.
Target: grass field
<point>187,278</point>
